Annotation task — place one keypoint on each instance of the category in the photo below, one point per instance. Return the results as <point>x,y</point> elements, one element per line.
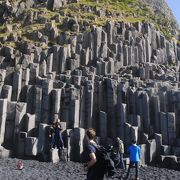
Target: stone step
<point>57,155</point>
<point>178,159</point>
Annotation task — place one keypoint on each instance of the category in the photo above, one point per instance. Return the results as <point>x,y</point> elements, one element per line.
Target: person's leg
<point>56,143</point>
<point>130,166</point>
<point>61,140</point>
<point>121,161</point>
<point>53,142</point>
<point>137,169</point>
<point>91,174</point>
<point>99,170</point>
<point>100,176</point>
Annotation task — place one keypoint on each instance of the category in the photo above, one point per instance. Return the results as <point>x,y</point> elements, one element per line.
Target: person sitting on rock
<point>58,140</point>
<point>55,136</point>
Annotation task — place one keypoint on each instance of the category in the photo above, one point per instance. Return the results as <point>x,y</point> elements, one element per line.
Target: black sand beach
<point>34,170</point>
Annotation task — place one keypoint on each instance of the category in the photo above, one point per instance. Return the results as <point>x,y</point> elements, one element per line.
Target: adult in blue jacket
<point>134,151</point>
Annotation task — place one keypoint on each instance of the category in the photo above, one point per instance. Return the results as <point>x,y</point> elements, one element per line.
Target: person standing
<point>55,136</point>
<point>59,143</point>
<point>134,151</point>
<point>120,150</point>
<point>95,171</point>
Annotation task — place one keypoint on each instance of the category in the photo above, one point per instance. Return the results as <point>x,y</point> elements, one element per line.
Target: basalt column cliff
<point>110,65</point>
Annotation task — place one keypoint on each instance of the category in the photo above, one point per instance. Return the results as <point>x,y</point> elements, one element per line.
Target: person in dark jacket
<point>135,155</point>
<point>56,136</point>
<point>95,171</point>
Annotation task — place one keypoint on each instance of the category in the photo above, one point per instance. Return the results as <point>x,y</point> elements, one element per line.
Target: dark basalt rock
<point>121,78</point>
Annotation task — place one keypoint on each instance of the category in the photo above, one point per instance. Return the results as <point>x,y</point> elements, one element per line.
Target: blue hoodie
<point>134,153</point>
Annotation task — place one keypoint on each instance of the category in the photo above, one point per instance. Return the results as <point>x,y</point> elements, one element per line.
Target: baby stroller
<point>115,157</point>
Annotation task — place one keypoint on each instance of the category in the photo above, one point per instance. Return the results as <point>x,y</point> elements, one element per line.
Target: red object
<point>20,165</point>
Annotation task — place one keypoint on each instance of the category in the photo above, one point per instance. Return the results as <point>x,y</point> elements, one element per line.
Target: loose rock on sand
<point>35,170</point>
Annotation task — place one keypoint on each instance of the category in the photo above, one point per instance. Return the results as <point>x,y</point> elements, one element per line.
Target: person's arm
<point>128,150</point>
<point>139,151</point>
<point>92,161</point>
<point>50,132</point>
<point>123,148</point>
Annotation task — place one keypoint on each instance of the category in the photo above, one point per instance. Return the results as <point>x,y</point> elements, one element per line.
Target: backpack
<point>104,158</point>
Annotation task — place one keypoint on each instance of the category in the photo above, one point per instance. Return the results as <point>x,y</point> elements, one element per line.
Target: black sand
<point>70,171</point>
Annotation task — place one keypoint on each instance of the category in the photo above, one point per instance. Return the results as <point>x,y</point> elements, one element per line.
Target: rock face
<point>120,78</point>
<point>162,7</point>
